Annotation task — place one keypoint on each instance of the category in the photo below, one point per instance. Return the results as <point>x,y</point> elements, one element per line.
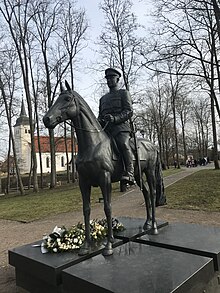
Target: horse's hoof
<point>107,252</point>
<point>147,226</point>
<point>83,251</point>
<point>155,232</point>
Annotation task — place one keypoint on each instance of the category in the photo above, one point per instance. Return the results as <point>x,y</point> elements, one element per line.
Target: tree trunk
<point>20,183</point>
<point>67,155</point>
<point>73,146</point>
<point>8,167</point>
<point>175,131</point>
<point>52,159</point>
<point>215,144</point>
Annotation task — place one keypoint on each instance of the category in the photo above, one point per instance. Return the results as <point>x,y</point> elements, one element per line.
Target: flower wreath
<point>63,239</point>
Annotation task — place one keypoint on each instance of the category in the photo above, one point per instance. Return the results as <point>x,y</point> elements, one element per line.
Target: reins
<point>89,130</point>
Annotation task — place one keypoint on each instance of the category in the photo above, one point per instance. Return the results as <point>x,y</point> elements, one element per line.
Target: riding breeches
<point>122,141</point>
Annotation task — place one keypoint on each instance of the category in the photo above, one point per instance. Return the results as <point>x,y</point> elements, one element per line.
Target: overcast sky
<point>85,82</point>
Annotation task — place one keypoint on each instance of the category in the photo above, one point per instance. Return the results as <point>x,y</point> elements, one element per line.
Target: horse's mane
<point>86,110</point>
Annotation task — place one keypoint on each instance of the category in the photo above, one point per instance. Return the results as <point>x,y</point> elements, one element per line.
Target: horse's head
<point>65,107</point>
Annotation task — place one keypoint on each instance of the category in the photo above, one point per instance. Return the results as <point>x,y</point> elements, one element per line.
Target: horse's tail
<point>160,196</point>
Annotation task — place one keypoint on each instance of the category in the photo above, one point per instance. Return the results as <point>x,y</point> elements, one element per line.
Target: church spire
<point>23,112</point>
<point>23,118</point>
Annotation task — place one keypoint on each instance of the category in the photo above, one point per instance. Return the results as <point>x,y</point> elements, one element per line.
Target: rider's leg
<point>122,140</point>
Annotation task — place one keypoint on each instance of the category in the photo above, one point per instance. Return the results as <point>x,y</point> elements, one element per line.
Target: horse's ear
<point>67,85</point>
<point>61,87</point>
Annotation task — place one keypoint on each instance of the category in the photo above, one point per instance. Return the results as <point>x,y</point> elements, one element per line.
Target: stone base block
<point>139,268</point>
<point>190,238</point>
<point>41,273</point>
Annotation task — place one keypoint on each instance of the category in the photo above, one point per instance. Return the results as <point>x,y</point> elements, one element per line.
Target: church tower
<point>23,141</point>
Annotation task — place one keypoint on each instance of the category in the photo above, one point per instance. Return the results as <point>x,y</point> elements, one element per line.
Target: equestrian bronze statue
<point>99,165</point>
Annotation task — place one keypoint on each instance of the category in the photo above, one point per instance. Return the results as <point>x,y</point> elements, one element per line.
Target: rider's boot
<point>128,175</point>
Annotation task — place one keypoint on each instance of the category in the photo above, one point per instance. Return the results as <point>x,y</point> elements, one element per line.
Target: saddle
<point>116,155</point>
<point>143,145</point>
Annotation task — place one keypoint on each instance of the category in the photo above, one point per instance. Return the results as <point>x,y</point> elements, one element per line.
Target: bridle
<point>77,113</point>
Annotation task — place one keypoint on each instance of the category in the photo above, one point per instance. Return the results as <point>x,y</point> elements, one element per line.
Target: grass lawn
<point>171,171</point>
<point>199,191</point>
<point>47,202</point>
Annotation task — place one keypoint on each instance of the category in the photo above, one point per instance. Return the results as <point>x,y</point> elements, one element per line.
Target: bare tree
<point>73,25</point>
<point>183,108</point>
<point>44,15</point>
<point>118,42</point>
<point>194,33</point>
<point>7,81</point>
<point>67,25</point>
<point>16,15</point>
<point>201,116</point>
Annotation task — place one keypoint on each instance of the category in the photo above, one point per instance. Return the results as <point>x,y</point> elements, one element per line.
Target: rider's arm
<point>127,109</point>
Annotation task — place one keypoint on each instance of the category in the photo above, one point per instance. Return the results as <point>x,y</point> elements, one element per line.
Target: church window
<point>47,162</point>
<point>25,130</point>
<point>62,161</point>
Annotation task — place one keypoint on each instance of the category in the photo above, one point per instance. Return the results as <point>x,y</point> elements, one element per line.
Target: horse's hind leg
<point>149,192</point>
<point>105,185</point>
<point>147,224</point>
<point>86,192</point>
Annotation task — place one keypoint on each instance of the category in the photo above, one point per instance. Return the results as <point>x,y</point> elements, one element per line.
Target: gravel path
<point>128,204</point>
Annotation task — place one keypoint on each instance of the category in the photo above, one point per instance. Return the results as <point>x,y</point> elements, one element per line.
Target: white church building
<point>23,147</point>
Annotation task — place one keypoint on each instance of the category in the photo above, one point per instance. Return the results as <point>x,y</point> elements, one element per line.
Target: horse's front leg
<point>86,192</point>
<point>152,187</point>
<point>105,185</point>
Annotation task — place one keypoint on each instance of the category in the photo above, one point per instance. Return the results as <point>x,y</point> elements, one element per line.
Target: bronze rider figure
<point>116,108</point>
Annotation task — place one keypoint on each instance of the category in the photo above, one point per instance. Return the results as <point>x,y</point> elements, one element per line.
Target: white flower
<point>74,237</point>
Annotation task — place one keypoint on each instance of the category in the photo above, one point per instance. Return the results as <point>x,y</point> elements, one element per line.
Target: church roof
<point>23,118</point>
<point>59,144</point>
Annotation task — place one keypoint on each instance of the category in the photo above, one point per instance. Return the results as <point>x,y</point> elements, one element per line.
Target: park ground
<point>128,204</point>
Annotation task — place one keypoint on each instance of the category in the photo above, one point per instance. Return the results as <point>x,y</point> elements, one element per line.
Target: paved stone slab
<point>134,228</point>
<point>42,272</point>
<point>191,238</point>
<point>139,268</point>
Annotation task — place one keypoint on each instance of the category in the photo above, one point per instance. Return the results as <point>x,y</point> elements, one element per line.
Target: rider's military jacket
<point>119,105</point>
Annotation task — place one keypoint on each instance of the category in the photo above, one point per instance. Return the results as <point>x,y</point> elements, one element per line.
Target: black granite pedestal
<point>182,258</point>
<point>139,268</point>
<point>190,238</point>
<point>41,273</point>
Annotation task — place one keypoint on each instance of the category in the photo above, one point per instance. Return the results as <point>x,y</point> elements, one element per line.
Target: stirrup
<point>128,179</point>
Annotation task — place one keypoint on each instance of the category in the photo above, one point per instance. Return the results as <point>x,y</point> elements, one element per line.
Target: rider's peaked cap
<point>112,72</point>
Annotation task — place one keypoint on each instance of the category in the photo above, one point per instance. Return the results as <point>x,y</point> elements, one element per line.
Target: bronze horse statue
<point>97,165</point>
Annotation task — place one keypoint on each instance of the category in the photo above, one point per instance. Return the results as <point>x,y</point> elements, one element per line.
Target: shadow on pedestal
<point>134,228</point>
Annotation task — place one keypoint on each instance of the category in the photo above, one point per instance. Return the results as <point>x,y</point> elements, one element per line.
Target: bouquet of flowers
<point>63,239</point>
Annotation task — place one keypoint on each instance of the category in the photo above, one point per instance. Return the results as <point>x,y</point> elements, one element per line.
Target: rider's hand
<point>109,118</point>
